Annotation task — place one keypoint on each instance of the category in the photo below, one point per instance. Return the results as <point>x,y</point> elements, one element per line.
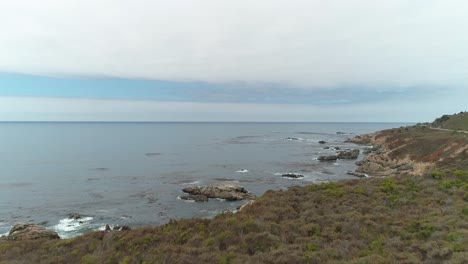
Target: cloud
<point>304,44</point>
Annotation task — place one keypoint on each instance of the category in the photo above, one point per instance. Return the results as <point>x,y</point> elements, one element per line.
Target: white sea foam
<point>242,171</point>
<point>67,228</point>
<point>187,201</point>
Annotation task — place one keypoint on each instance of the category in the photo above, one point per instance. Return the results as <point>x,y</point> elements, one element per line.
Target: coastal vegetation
<point>416,215</point>
<point>456,121</point>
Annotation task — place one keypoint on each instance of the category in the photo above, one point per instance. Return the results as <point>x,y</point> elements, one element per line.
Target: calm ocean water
<point>132,173</point>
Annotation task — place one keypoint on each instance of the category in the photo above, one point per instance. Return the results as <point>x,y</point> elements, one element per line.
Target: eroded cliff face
<point>412,151</point>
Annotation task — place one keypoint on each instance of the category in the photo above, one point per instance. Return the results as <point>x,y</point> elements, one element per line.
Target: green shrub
<point>388,185</point>
<point>436,174</point>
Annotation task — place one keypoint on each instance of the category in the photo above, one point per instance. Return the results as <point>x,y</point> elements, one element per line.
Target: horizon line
<point>84,121</point>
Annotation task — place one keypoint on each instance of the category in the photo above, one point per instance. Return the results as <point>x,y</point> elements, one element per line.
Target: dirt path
<point>449,130</point>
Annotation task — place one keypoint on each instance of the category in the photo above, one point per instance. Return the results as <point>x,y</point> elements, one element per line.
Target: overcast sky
<point>239,60</point>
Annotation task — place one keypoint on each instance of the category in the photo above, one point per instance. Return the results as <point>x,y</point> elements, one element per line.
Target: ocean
<point>133,173</point>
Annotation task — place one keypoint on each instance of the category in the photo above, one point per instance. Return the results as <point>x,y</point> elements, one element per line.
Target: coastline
<point>317,222</point>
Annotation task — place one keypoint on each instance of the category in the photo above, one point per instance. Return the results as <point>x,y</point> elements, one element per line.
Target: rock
<point>367,151</point>
<point>357,174</point>
<point>108,227</point>
<point>328,158</point>
<point>195,197</point>
<point>30,231</point>
<point>372,168</point>
<point>121,228</point>
<point>349,154</point>
<point>326,148</point>
<point>365,139</point>
<point>292,175</point>
<point>340,133</point>
<point>293,138</point>
<point>74,216</point>
<point>223,191</point>
<point>404,167</point>
<point>322,142</point>
<point>337,148</point>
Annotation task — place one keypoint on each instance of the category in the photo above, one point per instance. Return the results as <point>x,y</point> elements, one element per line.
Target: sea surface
<point>133,173</point>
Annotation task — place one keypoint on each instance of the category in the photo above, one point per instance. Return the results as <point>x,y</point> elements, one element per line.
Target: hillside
<point>417,213</point>
<point>455,122</point>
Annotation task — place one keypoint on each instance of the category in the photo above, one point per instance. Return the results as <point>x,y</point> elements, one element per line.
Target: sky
<point>233,60</point>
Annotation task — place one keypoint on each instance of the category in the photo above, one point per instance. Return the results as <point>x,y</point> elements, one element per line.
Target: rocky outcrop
<point>349,154</point>
<point>292,175</point>
<point>382,161</point>
<point>225,191</point>
<point>74,216</point>
<point>30,231</point>
<point>322,142</point>
<point>328,158</point>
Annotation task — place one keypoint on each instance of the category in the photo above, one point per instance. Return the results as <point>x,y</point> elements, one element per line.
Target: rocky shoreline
<point>376,163</point>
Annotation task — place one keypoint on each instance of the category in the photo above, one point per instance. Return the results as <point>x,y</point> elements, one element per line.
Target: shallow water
<point>132,173</point>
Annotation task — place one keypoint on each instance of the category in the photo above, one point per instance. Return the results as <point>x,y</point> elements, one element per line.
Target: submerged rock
<point>223,191</point>
<point>349,154</point>
<point>30,231</point>
<point>292,175</point>
<point>328,158</point>
<point>293,138</point>
<point>322,142</point>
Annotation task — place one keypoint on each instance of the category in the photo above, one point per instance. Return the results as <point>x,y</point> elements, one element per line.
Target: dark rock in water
<point>367,151</point>
<point>292,175</point>
<point>328,158</point>
<point>357,174</point>
<point>340,133</point>
<point>108,227</point>
<point>224,191</point>
<point>337,148</point>
<point>195,197</point>
<point>293,138</point>
<point>322,142</point>
<point>326,148</point>
<point>121,228</point>
<point>349,154</point>
<point>74,216</point>
<point>30,231</point>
